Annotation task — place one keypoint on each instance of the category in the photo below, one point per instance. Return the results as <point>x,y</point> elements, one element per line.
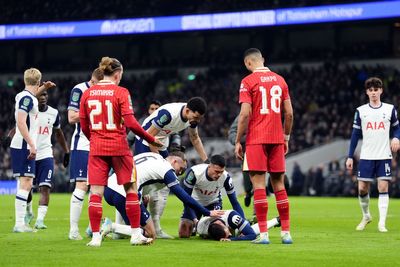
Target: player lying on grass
<point>222,228</point>
<point>154,173</point>
<point>219,229</point>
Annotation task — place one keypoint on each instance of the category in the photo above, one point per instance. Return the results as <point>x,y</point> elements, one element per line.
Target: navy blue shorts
<point>192,214</point>
<point>78,166</point>
<point>141,148</point>
<point>369,170</point>
<point>44,172</point>
<point>117,200</point>
<point>21,166</point>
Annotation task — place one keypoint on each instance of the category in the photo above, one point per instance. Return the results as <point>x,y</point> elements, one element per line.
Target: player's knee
<point>25,183</point>
<point>82,186</point>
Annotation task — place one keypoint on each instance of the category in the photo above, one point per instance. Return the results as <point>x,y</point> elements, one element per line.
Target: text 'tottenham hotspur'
<point>101,93</point>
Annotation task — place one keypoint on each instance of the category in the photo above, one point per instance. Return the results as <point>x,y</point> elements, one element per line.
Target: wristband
<point>286,137</point>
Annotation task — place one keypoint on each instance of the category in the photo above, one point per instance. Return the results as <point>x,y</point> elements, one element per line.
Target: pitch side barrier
<point>214,21</point>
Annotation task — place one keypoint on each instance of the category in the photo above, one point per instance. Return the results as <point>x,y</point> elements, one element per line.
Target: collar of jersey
<point>261,69</point>
<point>105,82</point>
<point>181,113</point>
<point>369,104</point>
<point>208,177</point>
<point>29,92</point>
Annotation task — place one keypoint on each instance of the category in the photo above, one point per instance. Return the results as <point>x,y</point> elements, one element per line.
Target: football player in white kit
<point>153,173</point>
<point>374,122</point>
<point>166,120</point>
<point>221,229</point>
<point>79,154</point>
<point>204,183</point>
<point>23,144</point>
<point>48,119</point>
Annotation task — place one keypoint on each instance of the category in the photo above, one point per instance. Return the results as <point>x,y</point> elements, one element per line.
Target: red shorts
<point>265,157</point>
<point>99,168</point>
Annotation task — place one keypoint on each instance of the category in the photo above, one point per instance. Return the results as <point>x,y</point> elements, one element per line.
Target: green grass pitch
<point>323,230</point>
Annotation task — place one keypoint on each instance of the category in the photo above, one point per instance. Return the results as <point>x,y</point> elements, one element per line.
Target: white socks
<point>121,229</point>
<point>76,208</point>
<point>118,218</point>
<point>383,204</point>
<point>158,201</point>
<point>270,224</point>
<point>364,204</point>
<point>42,211</point>
<point>20,206</point>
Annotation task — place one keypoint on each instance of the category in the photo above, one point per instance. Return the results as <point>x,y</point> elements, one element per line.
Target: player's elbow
<point>289,116</point>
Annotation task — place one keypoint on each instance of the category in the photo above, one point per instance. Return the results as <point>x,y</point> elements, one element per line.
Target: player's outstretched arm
<point>45,86</point>
<point>197,143</point>
<point>131,122</point>
<point>185,198</point>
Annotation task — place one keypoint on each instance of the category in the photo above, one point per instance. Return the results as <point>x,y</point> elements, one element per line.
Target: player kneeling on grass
<point>222,228</point>
<point>153,173</point>
<point>204,183</point>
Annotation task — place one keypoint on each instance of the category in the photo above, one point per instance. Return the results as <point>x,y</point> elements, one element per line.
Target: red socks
<point>261,208</point>
<point>282,204</point>
<point>133,209</point>
<point>95,212</point>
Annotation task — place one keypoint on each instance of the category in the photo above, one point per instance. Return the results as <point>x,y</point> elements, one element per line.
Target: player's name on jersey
<point>101,92</point>
<point>265,79</point>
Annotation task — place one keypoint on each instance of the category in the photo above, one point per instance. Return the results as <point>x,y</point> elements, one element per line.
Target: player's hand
<point>216,213</point>
<point>239,151</point>
<point>66,160</point>
<point>48,85</point>
<point>286,147</point>
<point>225,240</point>
<point>394,145</point>
<point>349,164</point>
<point>32,153</point>
<point>157,143</point>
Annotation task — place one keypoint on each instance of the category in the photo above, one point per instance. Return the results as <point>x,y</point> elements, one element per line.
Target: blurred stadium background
<point>324,49</point>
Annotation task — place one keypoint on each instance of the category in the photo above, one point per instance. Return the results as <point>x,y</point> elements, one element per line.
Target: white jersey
<point>48,120</point>
<point>25,101</point>
<point>375,124</point>
<point>150,172</point>
<point>205,221</point>
<point>206,191</point>
<point>79,140</point>
<point>168,119</point>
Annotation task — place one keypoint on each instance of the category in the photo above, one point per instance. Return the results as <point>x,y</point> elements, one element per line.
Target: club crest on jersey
<point>75,96</point>
<point>163,119</point>
<point>26,102</point>
<point>190,177</point>
<point>375,125</point>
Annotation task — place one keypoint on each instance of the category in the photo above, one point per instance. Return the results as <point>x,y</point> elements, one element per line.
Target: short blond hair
<point>32,76</point>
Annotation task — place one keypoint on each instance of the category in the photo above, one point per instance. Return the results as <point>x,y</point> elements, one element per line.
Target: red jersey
<point>265,91</point>
<point>104,105</point>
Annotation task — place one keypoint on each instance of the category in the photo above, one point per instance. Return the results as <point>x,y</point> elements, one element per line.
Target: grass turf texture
<point>323,230</point>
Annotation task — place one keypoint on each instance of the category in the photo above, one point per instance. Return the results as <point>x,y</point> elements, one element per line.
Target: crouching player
<point>153,173</point>
<point>204,182</point>
<point>222,228</point>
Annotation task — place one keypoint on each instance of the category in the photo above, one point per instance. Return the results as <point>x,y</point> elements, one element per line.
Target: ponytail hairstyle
<point>110,65</point>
